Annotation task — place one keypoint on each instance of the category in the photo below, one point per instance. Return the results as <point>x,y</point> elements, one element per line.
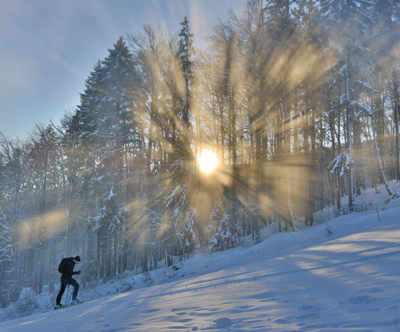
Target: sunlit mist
<point>208,161</point>
<point>174,148</point>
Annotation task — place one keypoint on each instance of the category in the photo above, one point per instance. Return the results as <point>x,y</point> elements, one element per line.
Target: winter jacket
<point>70,269</point>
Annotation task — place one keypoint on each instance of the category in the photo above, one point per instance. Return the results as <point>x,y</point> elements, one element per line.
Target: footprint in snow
<point>372,290</point>
<point>375,290</point>
<point>310,315</point>
<point>305,307</point>
<point>150,311</point>
<point>360,299</point>
<point>222,323</point>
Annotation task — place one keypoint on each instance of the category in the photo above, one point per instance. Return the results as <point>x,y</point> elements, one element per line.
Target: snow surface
<point>340,275</point>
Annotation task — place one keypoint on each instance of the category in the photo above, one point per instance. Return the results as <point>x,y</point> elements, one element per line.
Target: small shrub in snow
<point>341,212</point>
<point>25,305</point>
<point>147,279</point>
<point>126,286</point>
<point>176,267</point>
<point>360,207</point>
<point>329,230</point>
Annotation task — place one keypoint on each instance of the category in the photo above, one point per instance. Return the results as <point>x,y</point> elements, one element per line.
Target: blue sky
<point>49,47</point>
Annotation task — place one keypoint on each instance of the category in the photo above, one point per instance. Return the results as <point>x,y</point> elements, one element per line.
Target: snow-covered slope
<point>346,278</point>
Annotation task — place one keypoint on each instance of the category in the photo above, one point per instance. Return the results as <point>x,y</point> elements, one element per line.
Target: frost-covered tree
<point>107,139</point>
<point>107,226</point>
<point>186,55</point>
<point>44,159</point>
<point>15,172</point>
<point>6,260</point>
<point>384,68</point>
<point>180,203</point>
<point>85,121</point>
<point>224,229</point>
<point>347,24</point>
<point>116,118</point>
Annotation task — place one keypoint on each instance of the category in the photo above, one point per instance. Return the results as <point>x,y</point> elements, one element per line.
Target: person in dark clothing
<point>66,279</point>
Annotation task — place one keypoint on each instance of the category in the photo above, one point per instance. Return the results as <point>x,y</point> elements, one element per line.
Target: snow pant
<point>65,280</point>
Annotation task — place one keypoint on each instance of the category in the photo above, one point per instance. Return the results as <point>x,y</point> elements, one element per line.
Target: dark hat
<point>77,258</point>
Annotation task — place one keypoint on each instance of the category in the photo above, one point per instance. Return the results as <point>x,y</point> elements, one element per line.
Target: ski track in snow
<point>300,281</point>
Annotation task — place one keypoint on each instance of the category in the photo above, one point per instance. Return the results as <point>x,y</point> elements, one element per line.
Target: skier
<point>67,269</point>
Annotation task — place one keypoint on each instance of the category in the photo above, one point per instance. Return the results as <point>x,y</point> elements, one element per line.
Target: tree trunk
<point>396,110</point>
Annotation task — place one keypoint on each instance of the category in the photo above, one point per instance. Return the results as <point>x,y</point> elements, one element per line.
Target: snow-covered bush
<point>25,305</point>
<point>126,286</point>
<point>27,301</point>
<point>362,206</point>
<point>147,279</point>
<point>223,230</point>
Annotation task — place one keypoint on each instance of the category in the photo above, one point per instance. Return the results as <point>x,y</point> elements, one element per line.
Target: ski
<point>70,305</point>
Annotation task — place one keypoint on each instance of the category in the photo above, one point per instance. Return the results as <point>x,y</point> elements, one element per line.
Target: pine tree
<point>186,54</point>
<point>107,224</point>
<point>182,180</point>
<point>184,216</point>
<point>107,141</point>
<point>115,118</point>
<point>85,121</point>
<point>117,126</point>
<point>83,146</point>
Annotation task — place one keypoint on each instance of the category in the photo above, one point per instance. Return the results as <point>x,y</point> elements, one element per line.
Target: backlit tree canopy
<point>293,104</point>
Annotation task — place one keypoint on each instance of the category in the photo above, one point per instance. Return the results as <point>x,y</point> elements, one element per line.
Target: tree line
<point>298,99</point>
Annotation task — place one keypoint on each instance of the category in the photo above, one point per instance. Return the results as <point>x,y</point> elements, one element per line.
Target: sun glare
<point>208,161</point>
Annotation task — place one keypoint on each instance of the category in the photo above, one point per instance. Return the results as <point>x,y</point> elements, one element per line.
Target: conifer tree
<point>186,55</point>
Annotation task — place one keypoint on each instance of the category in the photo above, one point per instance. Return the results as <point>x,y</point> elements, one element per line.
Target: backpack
<point>62,268</point>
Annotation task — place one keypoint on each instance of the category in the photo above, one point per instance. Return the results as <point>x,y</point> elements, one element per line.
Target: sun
<point>208,161</point>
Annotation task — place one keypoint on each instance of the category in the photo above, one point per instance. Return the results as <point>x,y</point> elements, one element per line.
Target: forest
<point>298,100</point>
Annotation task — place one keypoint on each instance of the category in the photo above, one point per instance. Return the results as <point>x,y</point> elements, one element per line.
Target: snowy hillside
<point>343,275</point>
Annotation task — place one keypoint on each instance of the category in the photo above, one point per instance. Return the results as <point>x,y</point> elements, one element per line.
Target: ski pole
<point>67,299</point>
<point>77,278</point>
<point>378,213</point>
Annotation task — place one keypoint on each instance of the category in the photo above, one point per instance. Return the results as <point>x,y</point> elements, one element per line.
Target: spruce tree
<point>186,54</point>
